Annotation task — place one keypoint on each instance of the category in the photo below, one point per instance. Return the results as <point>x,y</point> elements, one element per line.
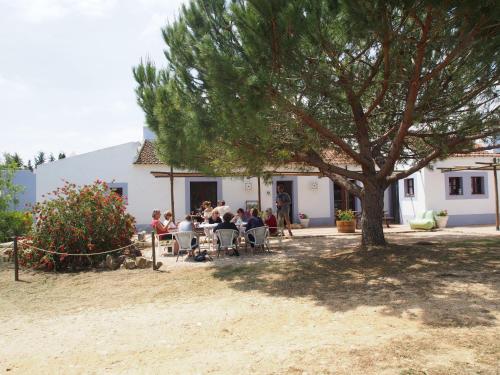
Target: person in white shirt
<point>169,222</point>
<point>222,208</point>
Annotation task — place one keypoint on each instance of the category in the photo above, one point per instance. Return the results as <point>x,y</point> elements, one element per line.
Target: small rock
<point>112,262</point>
<point>141,262</point>
<point>158,265</point>
<point>130,264</point>
<point>149,264</point>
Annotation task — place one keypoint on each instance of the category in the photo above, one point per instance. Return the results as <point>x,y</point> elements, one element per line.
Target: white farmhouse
<point>134,171</point>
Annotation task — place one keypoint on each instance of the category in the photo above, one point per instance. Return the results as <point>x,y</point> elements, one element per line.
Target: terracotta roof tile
<point>337,157</point>
<point>147,154</point>
<point>478,153</point>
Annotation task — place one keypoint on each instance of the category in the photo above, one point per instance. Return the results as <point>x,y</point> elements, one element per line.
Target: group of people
<point>222,216</point>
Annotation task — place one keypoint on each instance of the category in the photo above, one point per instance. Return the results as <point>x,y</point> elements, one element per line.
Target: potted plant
<point>346,222</point>
<point>304,220</point>
<point>442,219</point>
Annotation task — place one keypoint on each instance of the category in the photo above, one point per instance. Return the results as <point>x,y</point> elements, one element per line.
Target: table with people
<point>241,222</point>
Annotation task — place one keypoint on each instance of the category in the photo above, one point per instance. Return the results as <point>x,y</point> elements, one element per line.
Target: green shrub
<point>13,223</point>
<point>78,220</point>
<point>345,215</point>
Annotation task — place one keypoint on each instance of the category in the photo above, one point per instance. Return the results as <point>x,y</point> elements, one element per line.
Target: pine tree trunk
<point>372,217</point>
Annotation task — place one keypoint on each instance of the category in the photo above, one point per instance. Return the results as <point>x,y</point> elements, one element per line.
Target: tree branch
<point>411,99</point>
<point>315,125</point>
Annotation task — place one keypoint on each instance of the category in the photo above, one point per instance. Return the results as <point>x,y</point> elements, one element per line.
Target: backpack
<point>201,257</point>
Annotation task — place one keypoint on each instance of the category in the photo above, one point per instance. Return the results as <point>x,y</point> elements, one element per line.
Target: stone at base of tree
<point>158,265</point>
<point>129,264</point>
<point>112,262</point>
<point>141,262</point>
<point>149,264</point>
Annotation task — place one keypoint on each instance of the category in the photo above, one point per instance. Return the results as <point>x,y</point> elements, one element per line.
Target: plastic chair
<point>185,241</point>
<point>227,239</point>
<point>168,245</point>
<point>260,238</point>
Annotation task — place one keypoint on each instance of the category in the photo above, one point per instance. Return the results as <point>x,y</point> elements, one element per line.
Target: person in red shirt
<point>162,230</point>
<point>271,222</point>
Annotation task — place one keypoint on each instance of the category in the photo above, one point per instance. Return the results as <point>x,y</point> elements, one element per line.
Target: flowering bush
<point>85,220</point>
<point>345,215</point>
<point>442,213</point>
<point>303,216</point>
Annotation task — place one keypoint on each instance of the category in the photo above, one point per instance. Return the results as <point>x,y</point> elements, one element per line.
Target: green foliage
<point>8,190</point>
<point>442,213</point>
<point>13,160</point>
<point>345,215</point>
<point>390,86</point>
<point>13,223</point>
<point>40,158</point>
<point>252,85</point>
<point>78,220</point>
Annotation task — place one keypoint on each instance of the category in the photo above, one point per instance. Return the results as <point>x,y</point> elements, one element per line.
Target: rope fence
<point>23,246</point>
<point>20,245</point>
<point>17,244</point>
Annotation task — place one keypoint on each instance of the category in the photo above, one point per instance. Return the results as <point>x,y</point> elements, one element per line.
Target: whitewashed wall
<point>144,192</point>
<point>467,209</point>
<point>315,199</point>
<point>410,206</point>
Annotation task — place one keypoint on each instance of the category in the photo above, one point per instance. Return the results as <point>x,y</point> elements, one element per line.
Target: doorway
<point>201,191</point>
<point>288,185</point>
<point>342,199</point>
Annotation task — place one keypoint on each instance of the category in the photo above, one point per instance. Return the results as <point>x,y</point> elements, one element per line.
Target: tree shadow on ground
<point>443,284</point>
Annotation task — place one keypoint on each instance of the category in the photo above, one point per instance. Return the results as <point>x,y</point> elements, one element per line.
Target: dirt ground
<point>316,306</point>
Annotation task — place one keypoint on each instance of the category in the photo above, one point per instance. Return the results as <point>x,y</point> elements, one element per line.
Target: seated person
<point>227,224</point>
<point>240,217</point>
<point>186,225</point>
<point>162,230</point>
<point>169,222</point>
<point>207,211</point>
<point>222,208</point>
<point>254,222</point>
<point>215,217</point>
<point>157,225</point>
<point>271,222</point>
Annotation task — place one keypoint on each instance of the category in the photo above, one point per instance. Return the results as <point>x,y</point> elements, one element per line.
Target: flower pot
<point>441,221</point>
<point>346,226</point>
<point>304,223</point>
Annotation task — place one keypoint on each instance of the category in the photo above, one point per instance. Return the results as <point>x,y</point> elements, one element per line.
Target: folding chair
<point>227,240</point>
<point>185,241</point>
<point>258,237</point>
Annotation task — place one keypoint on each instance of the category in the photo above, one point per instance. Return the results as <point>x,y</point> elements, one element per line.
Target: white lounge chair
<point>227,240</point>
<point>260,238</point>
<point>185,241</point>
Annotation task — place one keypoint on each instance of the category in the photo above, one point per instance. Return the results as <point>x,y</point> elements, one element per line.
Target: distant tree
<point>392,85</point>
<point>40,158</point>
<point>51,157</point>
<point>13,159</point>
<point>29,166</point>
<point>62,155</point>
<point>8,190</point>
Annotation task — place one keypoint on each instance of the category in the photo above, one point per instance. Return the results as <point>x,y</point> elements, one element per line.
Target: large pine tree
<point>390,84</point>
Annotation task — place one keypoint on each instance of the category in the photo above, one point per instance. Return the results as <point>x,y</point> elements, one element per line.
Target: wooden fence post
<point>16,261</point>
<point>153,250</point>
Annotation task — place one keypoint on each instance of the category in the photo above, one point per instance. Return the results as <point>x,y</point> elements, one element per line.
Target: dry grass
<point>404,309</point>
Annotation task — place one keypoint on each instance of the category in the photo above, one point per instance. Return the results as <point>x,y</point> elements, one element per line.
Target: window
<point>456,186</point>
<point>477,185</point>
<point>117,190</point>
<point>409,187</point>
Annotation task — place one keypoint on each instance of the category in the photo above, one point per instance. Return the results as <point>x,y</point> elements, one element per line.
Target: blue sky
<point>66,71</point>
